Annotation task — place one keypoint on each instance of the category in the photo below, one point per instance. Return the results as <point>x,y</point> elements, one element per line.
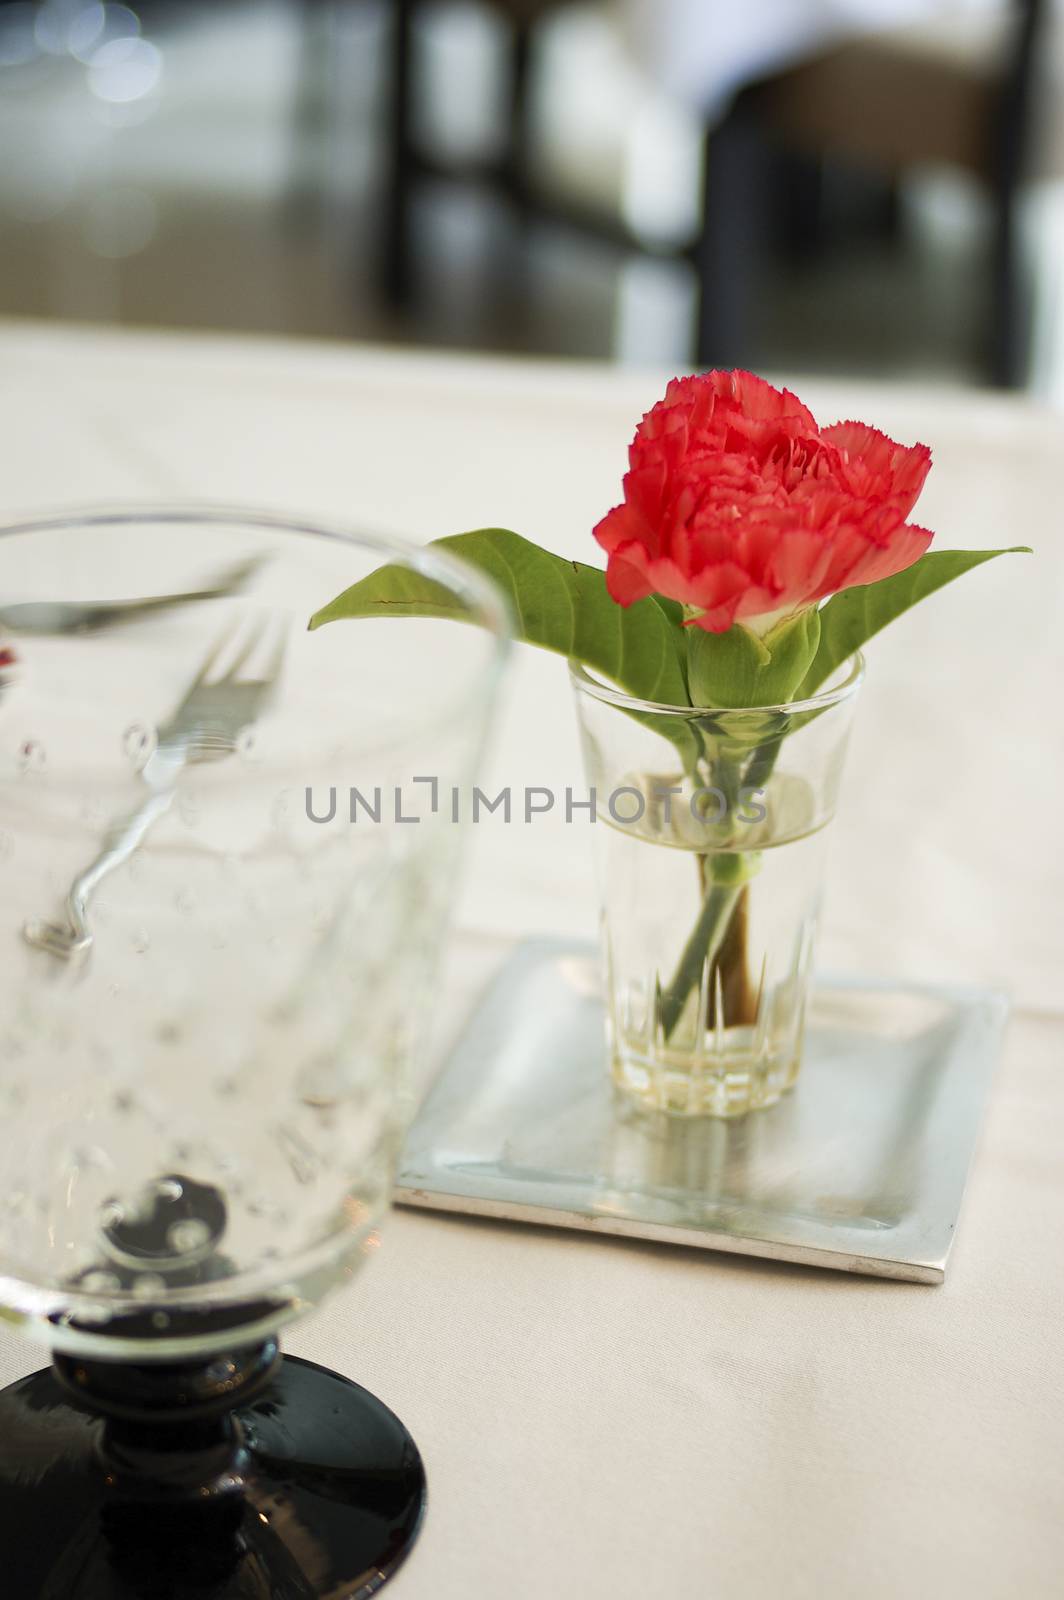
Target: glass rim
<point>583,679</point>
<point>487,603</point>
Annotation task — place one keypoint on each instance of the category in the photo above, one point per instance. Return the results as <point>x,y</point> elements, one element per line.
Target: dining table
<point>606,1417</point>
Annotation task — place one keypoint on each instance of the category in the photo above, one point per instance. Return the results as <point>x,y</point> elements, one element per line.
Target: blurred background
<point>867,187</point>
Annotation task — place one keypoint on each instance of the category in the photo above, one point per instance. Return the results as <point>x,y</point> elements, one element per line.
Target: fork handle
<point>122,841</point>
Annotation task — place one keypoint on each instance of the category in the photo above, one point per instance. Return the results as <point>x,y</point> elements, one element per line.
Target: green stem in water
<point>703,944</point>
<point>719,905</point>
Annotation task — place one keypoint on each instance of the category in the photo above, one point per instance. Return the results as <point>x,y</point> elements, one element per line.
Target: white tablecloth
<point>608,1419</point>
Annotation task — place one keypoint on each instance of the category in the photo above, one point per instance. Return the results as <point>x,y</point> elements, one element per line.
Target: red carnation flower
<point>738,505</point>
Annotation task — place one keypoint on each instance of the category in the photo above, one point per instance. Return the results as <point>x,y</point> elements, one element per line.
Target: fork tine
<point>239,573</point>
<point>213,656</point>
<point>275,659</point>
<point>252,640</point>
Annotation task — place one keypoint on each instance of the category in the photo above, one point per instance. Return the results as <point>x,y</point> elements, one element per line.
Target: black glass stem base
<point>246,1477</point>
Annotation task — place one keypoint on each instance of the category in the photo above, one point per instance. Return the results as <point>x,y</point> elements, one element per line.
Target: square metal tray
<point>862,1168</point>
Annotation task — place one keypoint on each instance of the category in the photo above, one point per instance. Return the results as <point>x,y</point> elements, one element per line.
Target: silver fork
<point>92,616</point>
<point>217,706</point>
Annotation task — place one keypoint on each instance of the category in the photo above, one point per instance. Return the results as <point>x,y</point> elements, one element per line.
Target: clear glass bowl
<point>201,1107</point>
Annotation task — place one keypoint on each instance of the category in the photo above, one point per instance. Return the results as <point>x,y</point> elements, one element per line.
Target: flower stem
<point>719,906</point>
<point>732,1002</point>
<point>706,938</point>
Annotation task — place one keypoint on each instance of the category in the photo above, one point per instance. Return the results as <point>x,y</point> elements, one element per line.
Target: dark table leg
<point>396,265</point>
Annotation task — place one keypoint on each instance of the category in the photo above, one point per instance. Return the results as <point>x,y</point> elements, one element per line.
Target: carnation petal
<point>891,470</point>
<point>849,547</point>
<point>910,475</point>
<point>759,601</point>
<point>616,528</point>
<point>758,399</point>
<point>625,581</point>
<point>669,579</point>
<point>799,565</point>
<point>644,489</point>
<point>718,619</point>
<point>717,590</point>
<point>908,545</point>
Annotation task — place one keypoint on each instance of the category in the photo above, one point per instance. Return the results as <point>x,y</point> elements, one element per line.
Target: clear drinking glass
<point>711,847</point>
<point>226,859</point>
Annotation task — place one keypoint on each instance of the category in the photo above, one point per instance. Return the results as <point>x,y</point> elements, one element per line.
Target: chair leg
<point>518,158</point>
<point>396,266</point>
<point>728,252</point>
<point>515,292</point>
<point>1010,313</point>
<point>1009,351</point>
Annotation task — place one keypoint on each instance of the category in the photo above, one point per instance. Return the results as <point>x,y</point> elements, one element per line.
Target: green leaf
<point>852,617</point>
<point>558,605</point>
<point>739,668</point>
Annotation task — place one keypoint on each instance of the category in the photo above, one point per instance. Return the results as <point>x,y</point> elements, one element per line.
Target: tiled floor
<point>227,177</point>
